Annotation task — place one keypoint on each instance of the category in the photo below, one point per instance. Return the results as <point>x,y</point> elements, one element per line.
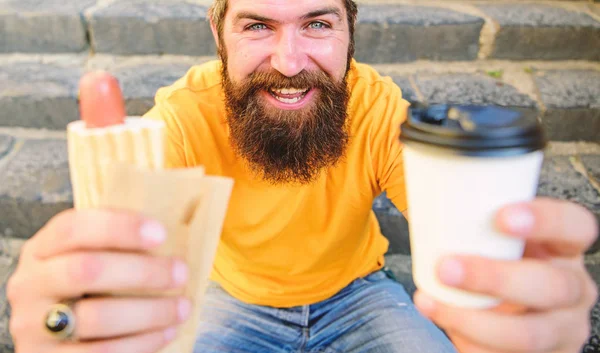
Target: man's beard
<point>287,146</point>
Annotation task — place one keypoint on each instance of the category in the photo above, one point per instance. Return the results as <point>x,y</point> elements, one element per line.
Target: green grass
<point>496,73</point>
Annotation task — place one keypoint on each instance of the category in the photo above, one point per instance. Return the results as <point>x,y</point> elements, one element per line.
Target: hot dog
<point>101,100</point>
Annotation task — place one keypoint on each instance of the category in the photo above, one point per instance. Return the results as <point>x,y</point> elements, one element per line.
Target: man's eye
<point>257,27</point>
<point>318,25</point>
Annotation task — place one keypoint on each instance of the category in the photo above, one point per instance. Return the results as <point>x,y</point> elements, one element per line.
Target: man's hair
<point>217,14</point>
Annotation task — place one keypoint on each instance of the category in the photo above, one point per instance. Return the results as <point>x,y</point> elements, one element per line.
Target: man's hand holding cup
<point>497,270</point>
<point>546,297</point>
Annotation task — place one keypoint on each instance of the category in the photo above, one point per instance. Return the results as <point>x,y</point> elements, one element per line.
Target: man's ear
<point>215,33</point>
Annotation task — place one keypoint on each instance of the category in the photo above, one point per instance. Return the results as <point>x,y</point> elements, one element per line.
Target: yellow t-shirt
<point>289,245</point>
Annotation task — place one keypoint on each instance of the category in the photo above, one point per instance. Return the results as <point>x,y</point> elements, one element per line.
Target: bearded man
<point>310,137</point>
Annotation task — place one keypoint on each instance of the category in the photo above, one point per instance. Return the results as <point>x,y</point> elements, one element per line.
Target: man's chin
<point>286,177</point>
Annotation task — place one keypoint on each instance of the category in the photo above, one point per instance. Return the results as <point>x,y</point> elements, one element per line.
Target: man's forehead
<point>283,7</point>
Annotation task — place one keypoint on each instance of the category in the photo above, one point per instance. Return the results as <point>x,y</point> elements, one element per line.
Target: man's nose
<point>289,57</point>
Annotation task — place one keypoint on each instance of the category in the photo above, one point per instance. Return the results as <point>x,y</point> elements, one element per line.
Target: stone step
<point>395,31</point>
<point>35,174</point>
<point>41,91</point>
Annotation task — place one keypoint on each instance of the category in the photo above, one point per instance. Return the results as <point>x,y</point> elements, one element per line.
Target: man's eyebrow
<point>246,15</point>
<point>321,12</point>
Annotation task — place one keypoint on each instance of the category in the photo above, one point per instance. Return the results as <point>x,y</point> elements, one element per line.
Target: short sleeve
<point>387,151</point>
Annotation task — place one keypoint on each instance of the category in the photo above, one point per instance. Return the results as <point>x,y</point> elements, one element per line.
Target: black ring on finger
<point>60,321</point>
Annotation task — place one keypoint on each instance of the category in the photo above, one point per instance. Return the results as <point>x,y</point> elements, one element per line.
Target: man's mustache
<point>274,80</point>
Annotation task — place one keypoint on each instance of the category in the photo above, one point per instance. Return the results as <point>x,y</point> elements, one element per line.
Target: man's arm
<point>387,148</point>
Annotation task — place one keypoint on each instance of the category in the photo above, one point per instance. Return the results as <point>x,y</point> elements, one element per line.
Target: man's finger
<point>566,228</point>
<point>463,344</point>
<point>144,343</point>
<point>102,318</point>
<point>528,282</point>
<point>76,274</point>
<point>97,229</point>
<point>535,332</point>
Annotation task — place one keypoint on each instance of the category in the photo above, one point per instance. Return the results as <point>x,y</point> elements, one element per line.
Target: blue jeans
<point>373,314</point>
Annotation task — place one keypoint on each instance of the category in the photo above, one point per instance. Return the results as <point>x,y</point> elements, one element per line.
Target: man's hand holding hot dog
<point>87,253</point>
<point>94,252</point>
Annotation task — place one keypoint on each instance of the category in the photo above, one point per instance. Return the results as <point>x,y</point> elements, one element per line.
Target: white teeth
<point>276,92</point>
<point>288,100</point>
<point>289,90</point>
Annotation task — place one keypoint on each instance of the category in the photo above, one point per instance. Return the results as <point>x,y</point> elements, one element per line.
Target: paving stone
<point>569,88</point>
<point>542,32</point>
<point>572,99</point>
<point>158,27</point>
<point>573,148</point>
<point>35,186</point>
<point>6,144</point>
<point>401,266</point>
<point>9,252</point>
<point>592,164</point>
<point>476,89</point>
<point>560,180</point>
<point>393,225</point>
<point>141,76</point>
<point>400,33</point>
<point>408,91</point>
<point>10,248</point>
<point>572,124</point>
<point>140,83</point>
<point>592,264</point>
<point>38,95</point>
<point>43,26</point>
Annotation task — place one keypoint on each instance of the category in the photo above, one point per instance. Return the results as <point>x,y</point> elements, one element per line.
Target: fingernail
<point>153,233</point>
<point>180,273</point>
<point>519,220</point>
<point>184,309</point>
<point>452,272</point>
<point>170,334</point>
<point>424,303</point>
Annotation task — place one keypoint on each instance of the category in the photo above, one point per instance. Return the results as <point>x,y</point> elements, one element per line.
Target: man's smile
<point>289,98</point>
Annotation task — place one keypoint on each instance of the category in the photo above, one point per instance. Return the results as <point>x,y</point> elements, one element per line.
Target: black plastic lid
<point>474,130</point>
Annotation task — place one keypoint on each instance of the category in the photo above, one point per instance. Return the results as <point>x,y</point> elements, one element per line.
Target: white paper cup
<point>453,196</point>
